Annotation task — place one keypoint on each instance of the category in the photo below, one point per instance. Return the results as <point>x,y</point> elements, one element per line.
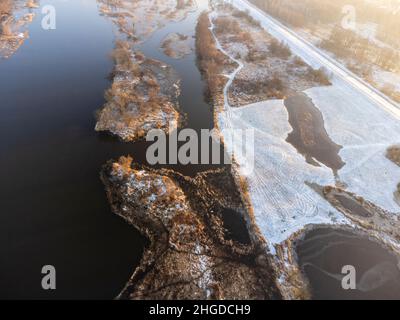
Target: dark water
<point>199,114</point>
<point>235,226</point>
<point>325,251</point>
<point>309,135</point>
<point>53,205</point>
<point>54,208</point>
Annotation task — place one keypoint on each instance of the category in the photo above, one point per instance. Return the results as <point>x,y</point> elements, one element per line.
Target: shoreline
<point>190,254</point>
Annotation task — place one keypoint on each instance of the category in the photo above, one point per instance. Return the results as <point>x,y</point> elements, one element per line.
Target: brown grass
<point>5,7</point>
<point>279,49</point>
<point>319,76</point>
<point>255,56</point>
<point>210,60</point>
<point>246,16</point>
<point>272,88</point>
<point>122,56</point>
<point>227,25</point>
<point>298,62</point>
<point>393,154</point>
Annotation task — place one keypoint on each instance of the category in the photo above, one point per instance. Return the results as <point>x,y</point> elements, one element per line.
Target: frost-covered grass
<point>268,69</point>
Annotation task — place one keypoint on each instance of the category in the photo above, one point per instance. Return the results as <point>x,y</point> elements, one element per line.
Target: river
<point>55,210</point>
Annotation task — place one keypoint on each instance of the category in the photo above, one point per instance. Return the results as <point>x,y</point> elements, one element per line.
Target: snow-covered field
<point>365,132</point>
<point>356,116</point>
<point>283,204</point>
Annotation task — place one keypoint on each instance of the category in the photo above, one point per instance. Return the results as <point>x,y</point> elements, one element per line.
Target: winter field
<point>356,116</point>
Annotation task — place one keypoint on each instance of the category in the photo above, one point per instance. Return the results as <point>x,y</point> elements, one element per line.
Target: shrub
<point>393,154</point>
<point>272,88</point>
<point>246,16</point>
<point>227,25</point>
<point>207,52</point>
<point>275,84</point>
<point>256,56</point>
<point>122,55</point>
<point>279,49</point>
<point>298,62</point>
<point>319,76</point>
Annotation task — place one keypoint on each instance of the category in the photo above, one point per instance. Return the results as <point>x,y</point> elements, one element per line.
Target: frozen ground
<point>356,116</point>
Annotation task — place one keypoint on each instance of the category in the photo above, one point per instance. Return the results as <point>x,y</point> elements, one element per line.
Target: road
<point>316,57</point>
